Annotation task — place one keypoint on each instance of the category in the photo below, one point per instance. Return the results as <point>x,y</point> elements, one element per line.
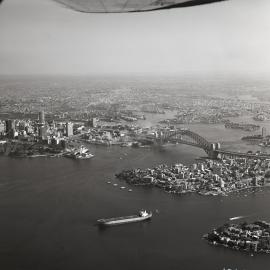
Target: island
<point>249,237</point>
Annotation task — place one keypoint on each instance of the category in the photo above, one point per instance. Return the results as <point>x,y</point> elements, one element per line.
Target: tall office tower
<point>10,128</point>
<point>263,132</point>
<point>93,122</point>
<point>69,129</point>
<point>41,118</point>
<point>42,132</point>
<point>42,129</point>
<point>2,128</point>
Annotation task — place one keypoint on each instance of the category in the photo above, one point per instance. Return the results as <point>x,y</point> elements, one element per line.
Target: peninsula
<point>207,177</point>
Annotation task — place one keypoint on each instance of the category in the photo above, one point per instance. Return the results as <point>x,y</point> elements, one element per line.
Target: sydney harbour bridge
<point>213,150</point>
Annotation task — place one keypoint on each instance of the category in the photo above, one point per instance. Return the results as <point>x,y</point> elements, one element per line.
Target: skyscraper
<point>93,122</point>
<point>41,118</point>
<point>263,132</point>
<point>42,132</point>
<point>42,129</point>
<point>10,128</point>
<point>2,128</point>
<point>69,129</point>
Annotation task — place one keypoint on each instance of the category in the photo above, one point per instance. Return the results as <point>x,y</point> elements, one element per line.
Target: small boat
<point>122,187</point>
<point>129,190</point>
<point>236,218</point>
<point>108,182</point>
<point>115,185</point>
<point>143,215</point>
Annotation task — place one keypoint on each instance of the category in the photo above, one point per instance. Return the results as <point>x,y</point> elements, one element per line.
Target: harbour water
<point>49,207</point>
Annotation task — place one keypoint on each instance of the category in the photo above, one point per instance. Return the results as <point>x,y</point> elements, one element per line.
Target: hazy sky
<point>41,36</point>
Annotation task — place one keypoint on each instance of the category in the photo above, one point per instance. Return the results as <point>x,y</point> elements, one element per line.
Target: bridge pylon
<point>213,153</point>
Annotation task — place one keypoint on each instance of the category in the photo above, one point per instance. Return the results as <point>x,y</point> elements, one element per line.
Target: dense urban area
<point>53,121</point>
<point>250,237</point>
<point>206,178</point>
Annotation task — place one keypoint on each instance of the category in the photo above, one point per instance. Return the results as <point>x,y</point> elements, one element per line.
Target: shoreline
<point>251,237</point>
<point>261,252</point>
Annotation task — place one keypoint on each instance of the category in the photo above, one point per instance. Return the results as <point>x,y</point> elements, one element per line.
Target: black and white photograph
<point>134,134</point>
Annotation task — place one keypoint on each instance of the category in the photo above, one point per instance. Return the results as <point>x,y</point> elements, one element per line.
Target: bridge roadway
<point>220,152</point>
<point>244,155</point>
<point>213,150</point>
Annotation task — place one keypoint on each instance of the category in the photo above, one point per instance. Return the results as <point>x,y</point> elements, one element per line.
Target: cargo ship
<point>143,215</point>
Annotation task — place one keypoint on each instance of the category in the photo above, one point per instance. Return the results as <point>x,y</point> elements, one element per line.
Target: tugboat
<point>143,215</point>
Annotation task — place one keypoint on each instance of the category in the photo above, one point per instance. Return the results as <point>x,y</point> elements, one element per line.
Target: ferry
<point>236,218</point>
<point>141,216</point>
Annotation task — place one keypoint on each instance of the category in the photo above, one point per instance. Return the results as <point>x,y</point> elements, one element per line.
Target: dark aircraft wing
<point>117,6</point>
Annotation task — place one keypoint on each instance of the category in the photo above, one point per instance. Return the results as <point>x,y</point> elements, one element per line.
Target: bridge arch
<point>213,150</point>
<point>197,140</point>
